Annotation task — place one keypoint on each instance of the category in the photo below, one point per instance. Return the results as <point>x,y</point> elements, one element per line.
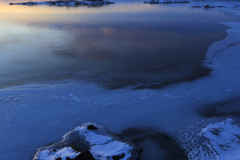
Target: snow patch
<point>218,140</point>
<point>92,137</point>
<point>224,138</point>
<point>51,155</point>
<point>115,148</point>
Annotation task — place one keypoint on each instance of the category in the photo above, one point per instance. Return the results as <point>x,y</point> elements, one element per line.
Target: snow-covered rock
<point>89,141</point>
<point>65,3</point>
<point>165,1</point>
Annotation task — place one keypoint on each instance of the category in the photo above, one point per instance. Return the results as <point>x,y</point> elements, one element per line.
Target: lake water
<point>125,44</point>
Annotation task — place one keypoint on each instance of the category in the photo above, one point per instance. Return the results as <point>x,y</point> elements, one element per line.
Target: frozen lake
<point>61,67</point>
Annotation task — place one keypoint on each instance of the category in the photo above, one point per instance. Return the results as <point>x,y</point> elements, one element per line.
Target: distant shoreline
<point>65,3</point>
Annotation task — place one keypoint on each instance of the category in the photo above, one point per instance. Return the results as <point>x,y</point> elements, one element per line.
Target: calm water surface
<point>128,43</point>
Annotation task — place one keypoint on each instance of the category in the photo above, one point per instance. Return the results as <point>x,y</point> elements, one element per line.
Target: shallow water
<point>125,44</point>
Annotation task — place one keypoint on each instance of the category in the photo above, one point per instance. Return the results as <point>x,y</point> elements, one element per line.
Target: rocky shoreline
<point>165,1</point>
<point>65,3</point>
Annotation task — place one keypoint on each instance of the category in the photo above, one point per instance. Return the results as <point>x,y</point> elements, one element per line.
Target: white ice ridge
<point>223,140</point>
<point>65,3</point>
<point>165,1</point>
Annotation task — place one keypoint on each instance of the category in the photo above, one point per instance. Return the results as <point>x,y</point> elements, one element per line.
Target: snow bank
<point>89,140</point>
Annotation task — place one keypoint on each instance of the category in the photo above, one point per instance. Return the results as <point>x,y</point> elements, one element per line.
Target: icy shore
<point>64,3</point>
<point>220,138</point>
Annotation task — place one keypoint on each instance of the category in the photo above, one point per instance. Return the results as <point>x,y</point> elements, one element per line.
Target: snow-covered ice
<point>223,138</point>
<point>218,140</point>
<point>62,153</point>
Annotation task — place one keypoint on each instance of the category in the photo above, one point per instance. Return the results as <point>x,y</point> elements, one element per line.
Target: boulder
<point>89,142</point>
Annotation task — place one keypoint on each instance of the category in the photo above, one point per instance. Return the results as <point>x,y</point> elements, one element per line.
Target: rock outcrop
<point>89,142</point>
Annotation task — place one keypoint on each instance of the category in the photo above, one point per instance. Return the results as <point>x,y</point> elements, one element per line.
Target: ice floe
<point>89,141</point>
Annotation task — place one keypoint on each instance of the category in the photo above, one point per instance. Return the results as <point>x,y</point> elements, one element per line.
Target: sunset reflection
<point>133,41</point>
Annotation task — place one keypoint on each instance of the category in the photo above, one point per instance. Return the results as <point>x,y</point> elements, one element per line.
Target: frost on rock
<point>165,1</point>
<point>66,3</point>
<point>222,142</point>
<point>89,141</point>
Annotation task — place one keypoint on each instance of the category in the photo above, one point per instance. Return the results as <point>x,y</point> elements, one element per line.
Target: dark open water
<point>125,44</point>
